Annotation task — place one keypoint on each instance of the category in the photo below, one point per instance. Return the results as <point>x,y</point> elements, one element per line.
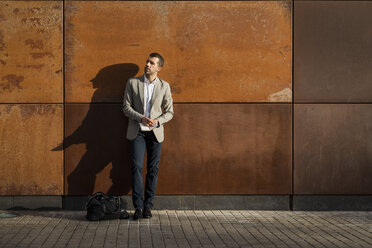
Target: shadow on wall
<point>103,130</point>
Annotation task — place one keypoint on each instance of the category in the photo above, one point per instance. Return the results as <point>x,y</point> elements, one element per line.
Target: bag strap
<point>91,197</point>
<point>117,200</point>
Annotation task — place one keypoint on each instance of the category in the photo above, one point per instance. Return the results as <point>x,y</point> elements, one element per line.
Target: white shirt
<point>147,96</point>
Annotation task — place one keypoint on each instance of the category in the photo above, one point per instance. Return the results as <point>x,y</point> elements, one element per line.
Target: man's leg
<point>137,153</point>
<point>153,159</point>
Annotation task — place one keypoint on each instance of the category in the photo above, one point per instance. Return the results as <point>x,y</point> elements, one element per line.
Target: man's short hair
<point>156,55</point>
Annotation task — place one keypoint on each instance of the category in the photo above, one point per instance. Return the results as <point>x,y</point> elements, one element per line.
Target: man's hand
<point>148,122</point>
<point>155,123</point>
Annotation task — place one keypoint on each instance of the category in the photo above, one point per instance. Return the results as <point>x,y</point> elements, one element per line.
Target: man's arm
<point>167,105</point>
<point>127,104</point>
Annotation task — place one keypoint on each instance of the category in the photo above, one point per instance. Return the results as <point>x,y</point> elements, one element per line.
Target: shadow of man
<point>103,130</point>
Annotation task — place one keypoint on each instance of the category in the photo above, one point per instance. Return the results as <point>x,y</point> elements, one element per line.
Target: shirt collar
<point>148,81</point>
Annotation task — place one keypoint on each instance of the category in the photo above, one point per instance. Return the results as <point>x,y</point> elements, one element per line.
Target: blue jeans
<point>144,141</point>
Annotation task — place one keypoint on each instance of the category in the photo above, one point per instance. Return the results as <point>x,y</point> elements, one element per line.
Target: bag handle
<point>118,204</point>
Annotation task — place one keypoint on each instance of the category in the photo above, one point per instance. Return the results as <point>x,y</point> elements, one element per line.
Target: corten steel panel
<point>209,149</point>
<point>31,51</point>
<point>28,165</point>
<point>332,51</point>
<point>97,152</point>
<point>214,51</point>
<point>333,149</point>
<point>227,149</point>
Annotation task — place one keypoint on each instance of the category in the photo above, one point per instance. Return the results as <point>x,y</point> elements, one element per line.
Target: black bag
<point>101,205</point>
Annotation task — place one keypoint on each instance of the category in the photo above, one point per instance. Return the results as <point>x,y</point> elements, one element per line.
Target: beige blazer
<point>133,106</point>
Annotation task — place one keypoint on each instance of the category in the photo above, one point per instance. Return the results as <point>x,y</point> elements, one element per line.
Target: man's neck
<point>150,77</point>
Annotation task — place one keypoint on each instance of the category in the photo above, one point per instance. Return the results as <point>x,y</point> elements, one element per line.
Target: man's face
<point>152,66</point>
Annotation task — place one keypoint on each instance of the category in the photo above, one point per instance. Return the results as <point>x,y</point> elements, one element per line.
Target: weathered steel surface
<point>333,149</point>
<point>97,152</point>
<point>31,51</point>
<point>214,51</point>
<point>227,149</point>
<point>332,49</point>
<point>209,149</point>
<point>28,164</point>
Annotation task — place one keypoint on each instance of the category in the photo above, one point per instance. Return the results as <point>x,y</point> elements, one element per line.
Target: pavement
<point>191,228</point>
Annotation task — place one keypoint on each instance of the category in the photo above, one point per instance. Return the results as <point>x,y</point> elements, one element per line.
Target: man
<point>148,104</point>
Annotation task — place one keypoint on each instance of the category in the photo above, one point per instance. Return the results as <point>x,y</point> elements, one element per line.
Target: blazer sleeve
<point>167,106</point>
<point>128,110</point>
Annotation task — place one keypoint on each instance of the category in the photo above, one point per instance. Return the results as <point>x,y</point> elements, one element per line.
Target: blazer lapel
<point>141,90</point>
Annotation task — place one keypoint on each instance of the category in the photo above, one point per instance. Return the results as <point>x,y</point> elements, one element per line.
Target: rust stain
<point>175,88</point>
<point>53,188</point>
<point>287,49</point>
<point>30,189</point>
<point>30,110</point>
<point>13,82</point>
<point>40,110</point>
<point>35,10</point>
<point>35,21</point>
<point>40,31</point>
<point>9,107</point>
<point>2,62</point>
<point>286,4</point>
<point>72,8</point>
<point>35,44</point>
<point>37,67</point>
<point>15,11</point>
<point>2,46</point>
<point>10,188</point>
<point>41,55</point>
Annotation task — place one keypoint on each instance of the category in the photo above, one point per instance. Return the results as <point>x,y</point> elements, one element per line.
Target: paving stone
<point>178,228</point>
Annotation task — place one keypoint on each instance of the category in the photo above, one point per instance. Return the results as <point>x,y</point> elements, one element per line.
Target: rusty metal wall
<point>31,52</point>
<point>29,133</point>
<point>242,149</point>
<point>250,156</point>
<point>332,48</point>
<point>219,52</point>
<point>31,98</point>
<point>96,148</point>
<point>214,51</point>
<point>332,75</point>
<point>229,62</point>
<point>333,145</point>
